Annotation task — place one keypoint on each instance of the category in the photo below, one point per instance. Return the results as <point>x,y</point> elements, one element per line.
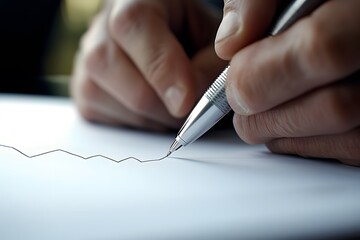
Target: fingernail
<point>174,96</point>
<point>242,107</point>
<point>230,25</point>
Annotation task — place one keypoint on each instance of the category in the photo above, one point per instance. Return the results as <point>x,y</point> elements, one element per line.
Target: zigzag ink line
<point>85,158</point>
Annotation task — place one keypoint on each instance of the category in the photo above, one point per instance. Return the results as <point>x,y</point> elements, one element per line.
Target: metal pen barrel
<point>213,106</point>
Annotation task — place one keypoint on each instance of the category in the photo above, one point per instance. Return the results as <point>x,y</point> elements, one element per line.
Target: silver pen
<point>213,105</point>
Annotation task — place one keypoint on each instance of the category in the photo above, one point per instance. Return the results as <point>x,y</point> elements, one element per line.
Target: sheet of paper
<point>217,188</point>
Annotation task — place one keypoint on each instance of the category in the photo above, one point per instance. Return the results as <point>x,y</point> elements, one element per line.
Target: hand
<point>145,63</point>
<point>298,92</point>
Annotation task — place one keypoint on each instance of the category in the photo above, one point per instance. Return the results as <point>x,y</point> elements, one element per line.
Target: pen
<point>213,105</point>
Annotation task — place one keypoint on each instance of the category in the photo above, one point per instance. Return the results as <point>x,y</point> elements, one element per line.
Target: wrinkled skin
<point>145,63</point>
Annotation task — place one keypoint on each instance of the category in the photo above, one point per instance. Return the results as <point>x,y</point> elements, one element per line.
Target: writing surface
<point>216,188</point>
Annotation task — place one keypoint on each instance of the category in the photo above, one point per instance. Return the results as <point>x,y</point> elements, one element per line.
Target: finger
<point>314,52</point>
<point>244,22</point>
<point>124,83</point>
<point>204,60</point>
<point>112,70</point>
<point>344,147</point>
<point>96,105</point>
<point>327,111</point>
<point>140,28</point>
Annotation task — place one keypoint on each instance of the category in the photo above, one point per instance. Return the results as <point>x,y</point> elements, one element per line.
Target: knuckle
<point>95,59</point>
<point>322,49</point>
<point>280,124</point>
<point>124,20</point>
<point>264,127</point>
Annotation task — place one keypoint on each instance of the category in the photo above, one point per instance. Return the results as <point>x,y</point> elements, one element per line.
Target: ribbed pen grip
<point>216,93</point>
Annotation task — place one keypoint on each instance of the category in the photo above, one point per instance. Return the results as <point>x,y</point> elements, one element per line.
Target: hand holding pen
<point>298,92</point>
<point>213,105</point>
<point>290,91</point>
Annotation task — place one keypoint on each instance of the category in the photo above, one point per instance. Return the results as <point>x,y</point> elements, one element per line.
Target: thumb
<point>243,22</point>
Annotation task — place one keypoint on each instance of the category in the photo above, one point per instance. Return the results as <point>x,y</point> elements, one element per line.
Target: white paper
<point>216,188</point>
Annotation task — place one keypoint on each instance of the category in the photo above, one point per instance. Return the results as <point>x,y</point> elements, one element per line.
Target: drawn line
<point>82,157</point>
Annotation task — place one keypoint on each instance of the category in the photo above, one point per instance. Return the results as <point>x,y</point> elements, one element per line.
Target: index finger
<point>140,28</point>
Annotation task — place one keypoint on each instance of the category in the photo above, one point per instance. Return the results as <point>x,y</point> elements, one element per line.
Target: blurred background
<point>38,42</point>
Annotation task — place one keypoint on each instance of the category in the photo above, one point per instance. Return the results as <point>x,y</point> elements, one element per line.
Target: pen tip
<point>175,146</point>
